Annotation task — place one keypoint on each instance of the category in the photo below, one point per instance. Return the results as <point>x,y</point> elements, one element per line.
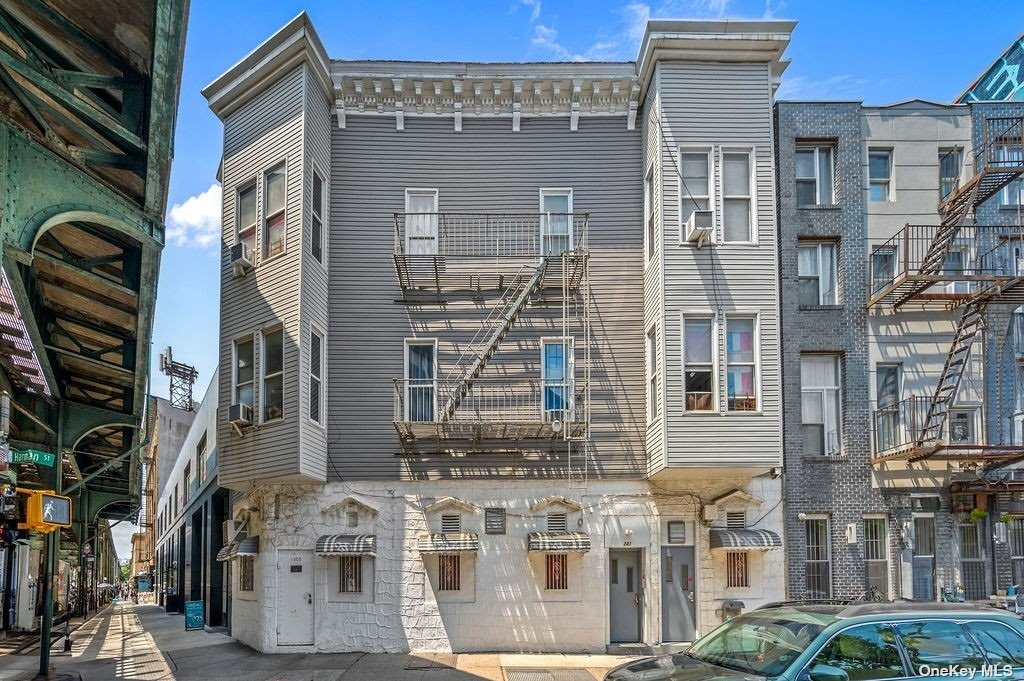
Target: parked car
<point>848,642</point>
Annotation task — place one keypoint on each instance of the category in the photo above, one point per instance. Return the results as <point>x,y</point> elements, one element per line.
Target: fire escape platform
<point>944,451</point>
<point>480,430</point>
<point>433,275</point>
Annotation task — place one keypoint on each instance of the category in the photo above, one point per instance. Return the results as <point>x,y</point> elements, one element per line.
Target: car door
<point>1003,643</point>
<point>940,647</point>
<point>865,652</point>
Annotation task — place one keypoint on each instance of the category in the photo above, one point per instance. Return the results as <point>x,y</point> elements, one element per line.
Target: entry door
<point>625,595</point>
<point>294,598</point>
<point>678,594</point>
<point>923,578</point>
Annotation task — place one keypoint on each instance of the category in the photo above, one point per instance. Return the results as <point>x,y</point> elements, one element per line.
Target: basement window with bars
<point>451,524</point>
<point>557,522</point>
<point>351,575</point>
<point>246,573</point>
<point>556,571</point>
<point>736,570</point>
<point>449,569</point>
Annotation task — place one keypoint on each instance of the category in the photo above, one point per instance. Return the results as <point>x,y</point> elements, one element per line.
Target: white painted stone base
<point>503,604</point>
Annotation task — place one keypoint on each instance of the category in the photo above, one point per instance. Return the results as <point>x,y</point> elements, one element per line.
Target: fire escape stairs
<point>493,331</point>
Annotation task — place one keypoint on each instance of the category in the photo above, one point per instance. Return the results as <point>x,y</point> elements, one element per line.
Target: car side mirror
<point>824,672</point>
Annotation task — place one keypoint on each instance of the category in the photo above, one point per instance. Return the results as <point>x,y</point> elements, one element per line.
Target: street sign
<point>33,456</point>
<point>193,615</point>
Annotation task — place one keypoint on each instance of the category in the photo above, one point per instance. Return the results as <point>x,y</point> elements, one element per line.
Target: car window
<point>761,643</point>
<point>934,644</point>
<point>865,652</point>
<point>1002,644</point>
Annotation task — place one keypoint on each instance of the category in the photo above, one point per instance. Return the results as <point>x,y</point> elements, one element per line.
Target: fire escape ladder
<point>493,330</point>
<point>967,329</point>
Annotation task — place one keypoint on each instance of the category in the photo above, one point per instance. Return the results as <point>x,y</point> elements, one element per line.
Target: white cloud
<point>196,221</point>
<point>834,87</point>
<point>636,15</point>
<point>535,6</point>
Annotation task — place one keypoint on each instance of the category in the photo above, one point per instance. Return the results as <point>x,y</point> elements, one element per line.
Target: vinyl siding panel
<point>654,280</point>
<point>257,137</point>
<point>721,106</point>
<point>485,168</point>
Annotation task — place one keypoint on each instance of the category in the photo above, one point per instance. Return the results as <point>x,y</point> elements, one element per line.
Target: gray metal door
<point>678,594</point>
<point>625,595</point>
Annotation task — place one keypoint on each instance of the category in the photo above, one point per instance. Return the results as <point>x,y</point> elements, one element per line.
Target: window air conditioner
<point>240,415</point>
<point>699,226</point>
<point>710,513</point>
<point>241,259</point>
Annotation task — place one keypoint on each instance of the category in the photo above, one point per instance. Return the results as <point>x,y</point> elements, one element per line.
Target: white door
<point>294,598</point>
<point>556,221</point>
<point>421,221</point>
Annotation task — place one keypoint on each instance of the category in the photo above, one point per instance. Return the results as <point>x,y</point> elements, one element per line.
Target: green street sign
<point>33,456</point>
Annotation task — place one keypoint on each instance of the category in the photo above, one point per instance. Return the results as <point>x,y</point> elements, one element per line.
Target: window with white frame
<point>246,218</point>
<point>821,409</point>
<point>557,376</point>
<point>245,369</point>
<point>556,571</point>
<point>273,374</point>
<point>950,161</point>
<point>876,554</point>
<point>741,363</point>
<point>1016,527</point>
<point>815,172</point>
<point>420,380</point>
<point>274,190</point>
<point>880,174</point>
<point>316,376</point>
<point>816,273</point>
<point>449,572</point>
<point>694,182</point>
<point>652,373</point>
<point>736,569</point>
<point>698,363</point>
<point>201,459</point>
<point>246,573</point>
<point>652,232</point>
<point>316,236</point>
<point>351,575</point>
<point>556,221</point>
<point>421,221</point>
<point>818,558</point>
<point>736,197</point>
<point>1012,194</point>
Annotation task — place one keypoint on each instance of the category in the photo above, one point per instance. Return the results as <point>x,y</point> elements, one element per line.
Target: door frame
<point>277,597</point>
<point>642,607</point>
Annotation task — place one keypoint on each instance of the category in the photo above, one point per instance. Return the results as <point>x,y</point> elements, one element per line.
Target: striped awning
<point>558,542</point>
<point>346,545</point>
<point>451,542</point>
<point>250,546</point>
<point>745,539</point>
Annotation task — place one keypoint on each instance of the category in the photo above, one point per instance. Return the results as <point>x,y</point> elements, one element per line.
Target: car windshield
<point>761,642</point>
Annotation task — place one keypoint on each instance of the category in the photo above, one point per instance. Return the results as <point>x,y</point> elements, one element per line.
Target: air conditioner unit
<point>710,513</point>
<point>240,415</point>
<point>230,529</point>
<point>699,226</point>
<point>241,259</point>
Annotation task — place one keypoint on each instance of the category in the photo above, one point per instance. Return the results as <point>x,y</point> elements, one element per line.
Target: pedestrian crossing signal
<point>45,511</point>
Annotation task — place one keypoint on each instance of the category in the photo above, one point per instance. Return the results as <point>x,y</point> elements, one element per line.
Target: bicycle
<point>873,595</point>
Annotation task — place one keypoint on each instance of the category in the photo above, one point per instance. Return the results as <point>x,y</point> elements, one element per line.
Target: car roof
<point>845,610</point>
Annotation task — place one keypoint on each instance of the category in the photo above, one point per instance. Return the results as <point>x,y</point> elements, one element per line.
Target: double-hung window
<point>880,174</point>
<point>694,183</point>
<point>815,171</point>
<point>950,161</point>
<point>736,197</point>
<point>556,235</point>
<point>246,219</point>
<point>557,374</point>
<point>816,272</point>
<point>420,380</point>
<point>652,231</point>
<point>652,373</point>
<point>1009,156</point>
<point>818,561</point>
<point>186,484</point>
<point>821,410</point>
<point>316,236</point>
<point>201,459</point>
<point>245,368</point>
<point>274,190</point>
<point>316,376</point>
<point>741,363</point>
<point>273,374</point>
<point>421,221</point>
<point>699,363</point>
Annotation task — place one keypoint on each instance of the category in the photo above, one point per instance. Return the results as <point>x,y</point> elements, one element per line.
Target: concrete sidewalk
<point>142,643</point>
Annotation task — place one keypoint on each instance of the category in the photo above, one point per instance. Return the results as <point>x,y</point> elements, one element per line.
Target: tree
<point>126,570</point>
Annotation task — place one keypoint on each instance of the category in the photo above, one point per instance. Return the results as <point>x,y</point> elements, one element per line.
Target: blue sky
<point>880,52</point>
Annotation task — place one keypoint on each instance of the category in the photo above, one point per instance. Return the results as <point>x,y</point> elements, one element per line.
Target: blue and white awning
<point>451,542</point>
<point>250,546</point>
<point>739,540</point>
<point>558,542</point>
<point>346,545</point>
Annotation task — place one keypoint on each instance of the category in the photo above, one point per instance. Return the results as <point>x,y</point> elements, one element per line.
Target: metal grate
<point>548,675</point>
<point>451,524</point>
<point>557,522</point>
<point>494,521</point>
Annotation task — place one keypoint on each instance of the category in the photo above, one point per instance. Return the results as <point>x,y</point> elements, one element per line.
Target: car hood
<point>676,667</point>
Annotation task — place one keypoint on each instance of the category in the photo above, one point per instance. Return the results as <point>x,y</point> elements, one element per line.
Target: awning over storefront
<point>558,542</point>
<point>250,546</point>
<point>452,542</point>
<point>738,540</point>
<point>346,545</point>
